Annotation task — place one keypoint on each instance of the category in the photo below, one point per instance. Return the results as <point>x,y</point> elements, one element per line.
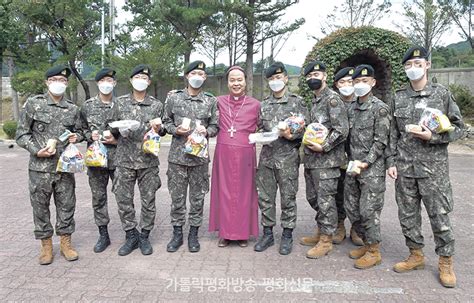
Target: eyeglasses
<point>57,79</point>
<point>141,76</point>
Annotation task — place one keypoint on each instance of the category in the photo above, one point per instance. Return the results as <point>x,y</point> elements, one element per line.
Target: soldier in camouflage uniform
<point>133,165</point>
<point>184,169</point>
<point>323,161</point>
<point>419,163</point>
<point>43,118</point>
<point>369,124</point>
<point>95,113</point>
<point>279,161</point>
<point>344,85</point>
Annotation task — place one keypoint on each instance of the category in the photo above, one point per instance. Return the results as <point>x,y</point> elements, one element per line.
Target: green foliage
<point>455,55</point>
<point>9,127</point>
<point>464,99</point>
<point>30,82</point>
<point>344,43</point>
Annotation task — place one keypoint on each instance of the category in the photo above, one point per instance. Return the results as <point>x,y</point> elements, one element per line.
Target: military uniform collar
<point>61,103</point>
<point>283,99</point>
<point>102,104</point>
<point>324,93</point>
<point>426,91</point>
<point>364,105</point>
<point>145,101</point>
<point>198,97</point>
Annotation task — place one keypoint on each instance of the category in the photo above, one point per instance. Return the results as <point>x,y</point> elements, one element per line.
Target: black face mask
<point>314,84</point>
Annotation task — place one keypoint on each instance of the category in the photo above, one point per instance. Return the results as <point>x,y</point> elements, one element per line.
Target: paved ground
<point>217,274</point>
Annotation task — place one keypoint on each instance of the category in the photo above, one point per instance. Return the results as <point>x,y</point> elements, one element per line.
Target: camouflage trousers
<point>61,186</point>
<point>436,194</point>
<point>321,190</point>
<point>149,182</point>
<point>268,181</point>
<point>98,181</point>
<point>341,212</point>
<point>363,200</point>
<point>179,178</point>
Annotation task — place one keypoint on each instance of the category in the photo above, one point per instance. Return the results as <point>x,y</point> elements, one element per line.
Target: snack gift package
<point>96,155</point>
<point>315,132</point>
<point>196,144</point>
<point>435,120</point>
<point>151,143</point>
<point>125,126</point>
<point>71,160</point>
<point>264,138</point>
<point>295,123</point>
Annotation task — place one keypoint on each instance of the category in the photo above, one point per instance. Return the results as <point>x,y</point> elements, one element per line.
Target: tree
<point>69,26</point>
<point>254,15</point>
<point>355,13</point>
<point>213,39</point>
<point>461,13</point>
<point>425,22</point>
<point>234,37</point>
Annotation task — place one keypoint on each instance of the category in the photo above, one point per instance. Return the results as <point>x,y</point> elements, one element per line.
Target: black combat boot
<point>144,243</point>
<point>286,243</point>
<point>131,242</point>
<point>177,239</point>
<point>266,240</point>
<point>103,240</point>
<point>193,243</point>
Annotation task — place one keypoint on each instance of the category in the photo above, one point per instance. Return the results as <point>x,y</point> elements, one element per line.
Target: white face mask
<point>415,73</point>
<point>362,89</point>
<point>140,84</point>
<point>346,90</point>
<point>196,81</point>
<point>106,88</point>
<point>276,85</point>
<point>57,88</point>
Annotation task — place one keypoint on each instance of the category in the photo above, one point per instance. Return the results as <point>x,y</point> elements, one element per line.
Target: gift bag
<point>264,138</point>
<point>435,120</point>
<point>151,143</point>
<point>96,155</point>
<point>295,123</point>
<point>71,160</point>
<point>125,126</point>
<point>196,144</point>
<point>316,133</point>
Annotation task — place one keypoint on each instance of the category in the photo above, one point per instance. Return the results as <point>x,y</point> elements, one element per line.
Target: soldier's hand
<point>201,130</point>
<point>315,147</point>
<point>392,172</point>
<point>72,138</point>
<point>95,135</point>
<point>44,153</point>
<point>286,133</point>
<point>425,134</point>
<point>156,124</point>
<point>181,131</point>
<point>363,165</point>
<point>109,140</point>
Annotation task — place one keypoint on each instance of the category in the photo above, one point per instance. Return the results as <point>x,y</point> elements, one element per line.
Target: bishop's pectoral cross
<point>231,130</point>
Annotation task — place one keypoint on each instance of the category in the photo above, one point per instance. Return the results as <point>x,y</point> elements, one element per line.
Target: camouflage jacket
<point>282,152</point>
<point>129,151</point>
<point>42,119</point>
<point>369,126</point>
<point>94,115</point>
<point>179,104</point>
<point>329,110</point>
<point>414,157</point>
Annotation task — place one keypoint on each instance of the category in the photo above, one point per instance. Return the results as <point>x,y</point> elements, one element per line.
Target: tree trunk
<point>249,50</point>
<point>1,85</point>
<point>187,56</point>
<point>15,105</point>
<point>84,84</point>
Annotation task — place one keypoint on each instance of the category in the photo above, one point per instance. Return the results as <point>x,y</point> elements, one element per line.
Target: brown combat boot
<point>356,240</point>
<point>446,272</point>
<point>340,234</point>
<point>66,249</point>
<point>358,252</point>
<point>371,258</point>
<point>46,254</point>
<point>311,240</point>
<point>416,260</point>
<point>321,249</point>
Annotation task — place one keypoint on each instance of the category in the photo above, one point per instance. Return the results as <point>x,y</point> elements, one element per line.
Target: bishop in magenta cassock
<point>234,200</point>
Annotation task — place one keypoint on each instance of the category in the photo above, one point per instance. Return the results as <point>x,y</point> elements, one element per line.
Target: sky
<point>300,42</point>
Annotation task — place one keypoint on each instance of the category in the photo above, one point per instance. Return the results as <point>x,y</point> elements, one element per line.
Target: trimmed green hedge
<point>9,127</point>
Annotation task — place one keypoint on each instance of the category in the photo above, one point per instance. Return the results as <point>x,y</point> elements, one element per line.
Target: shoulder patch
<point>208,94</point>
<point>383,112</point>
<point>333,103</point>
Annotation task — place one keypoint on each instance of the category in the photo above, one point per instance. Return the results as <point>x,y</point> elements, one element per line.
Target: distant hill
<point>293,70</point>
<point>460,47</point>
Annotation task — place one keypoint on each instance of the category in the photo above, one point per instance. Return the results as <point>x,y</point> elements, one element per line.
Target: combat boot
<point>286,243</point>
<point>356,240</point>
<point>66,248</point>
<point>266,240</point>
<point>131,242</point>
<point>321,249</point>
<point>46,254</point>
<point>416,260</point>
<point>446,272</point>
<point>358,252</point>
<point>340,234</point>
<point>144,243</point>
<point>177,239</point>
<point>311,240</point>
<point>103,241</point>
<point>371,258</point>
<point>193,242</point>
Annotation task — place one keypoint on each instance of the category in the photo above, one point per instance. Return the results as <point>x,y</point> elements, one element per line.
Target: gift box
<point>316,133</point>
<point>435,121</point>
